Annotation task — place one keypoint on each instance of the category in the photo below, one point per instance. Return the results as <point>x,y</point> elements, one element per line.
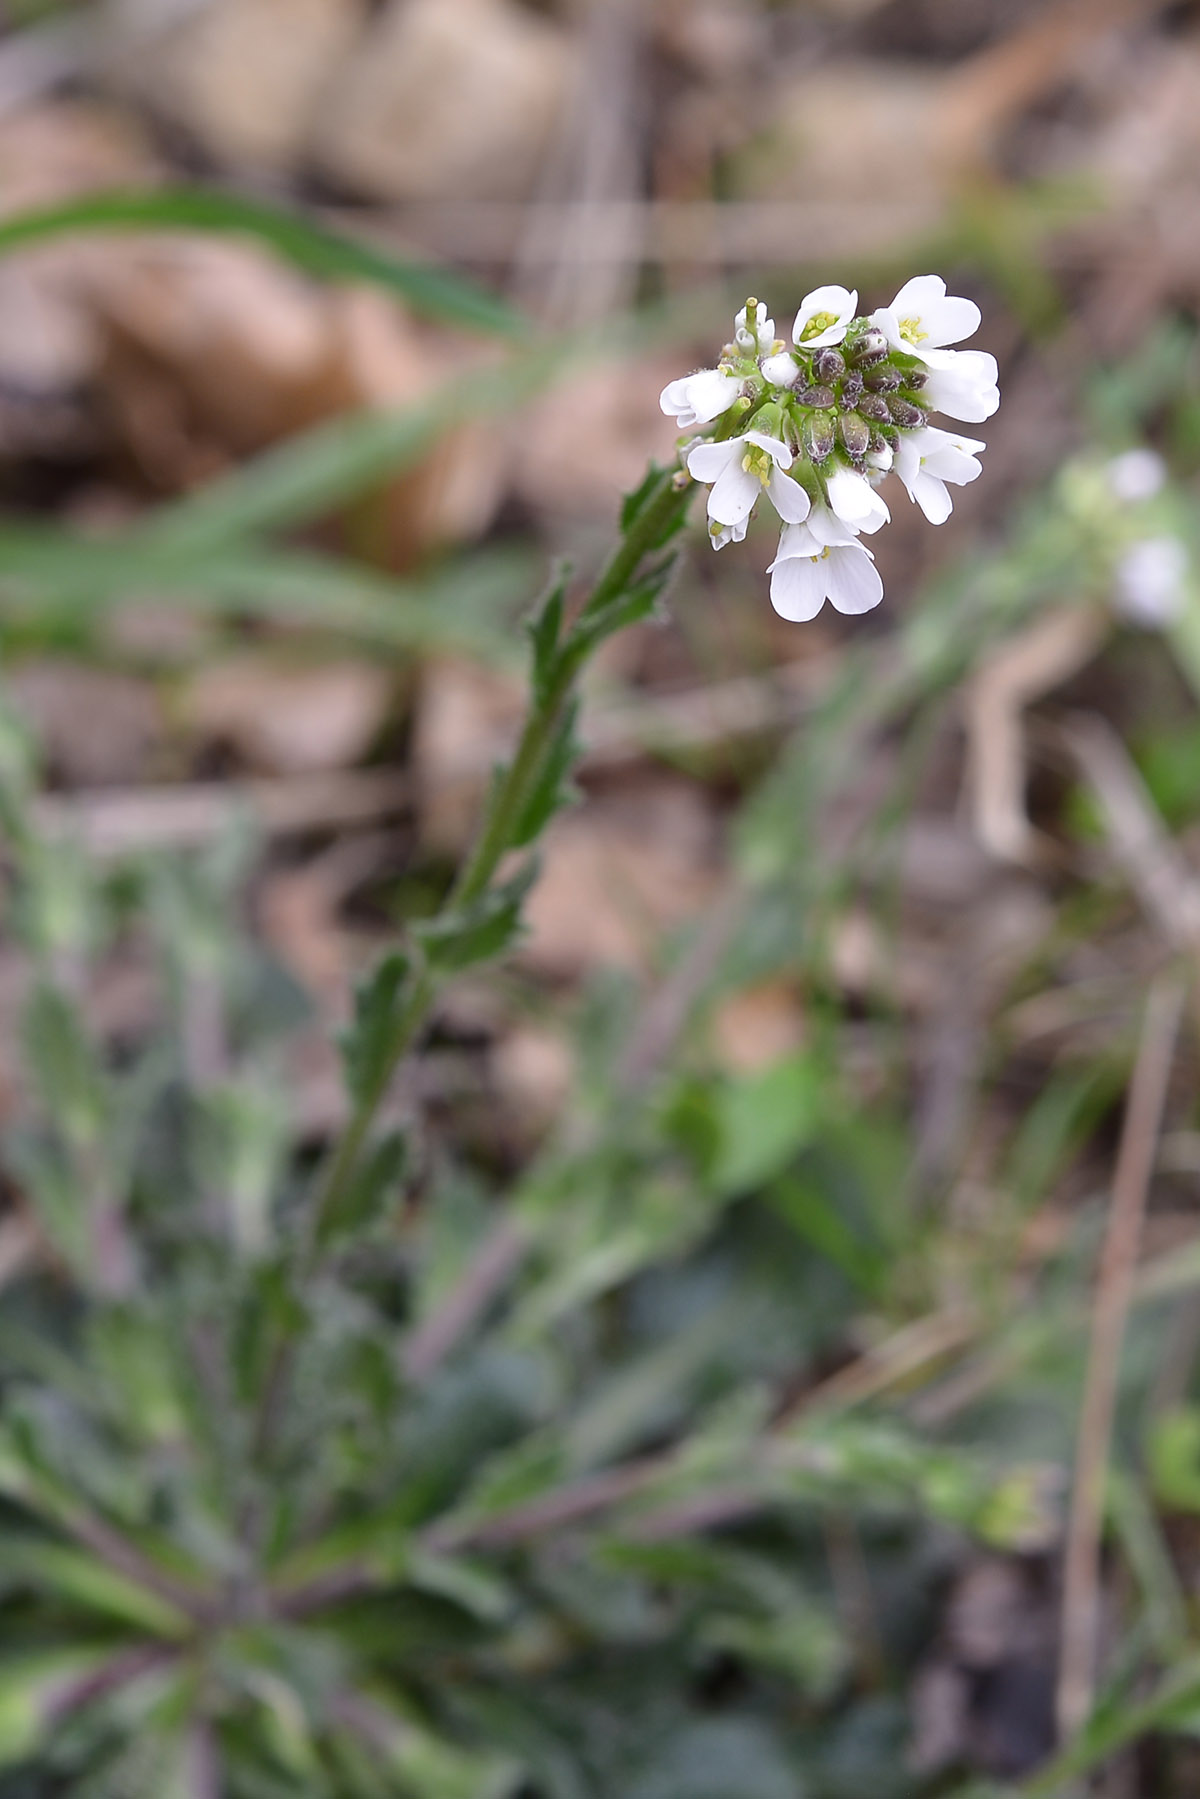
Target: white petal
<point>962,384</point>
<point>734,496</point>
<point>855,501</point>
<point>855,584</point>
<point>887,320</point>
<point>700,398</point>
<point>948,322</point>
<point>729,534</point>
<point>781,370</point>
<point>917,295</point>
<point>796,540</point>
<point>789,499</point>
<point>825,528</point>
<point>932,496</point>
<point>798,587</point>
<point>706,462</point>
<point>840,301</point>
<point>776,449</point>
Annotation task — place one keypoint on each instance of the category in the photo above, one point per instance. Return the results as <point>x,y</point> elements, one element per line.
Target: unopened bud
<point>820,397</point>
<point>874,406</point>
<point>879,444</point>
<point>916,379</point>
<point>851,391</point>
<point>829,364</point>
<point>781,370</point>
<point>883,380</point>
<point>872,346</point>
<point>905,414</point>
<point>816,436</point>
<point>855,434</point>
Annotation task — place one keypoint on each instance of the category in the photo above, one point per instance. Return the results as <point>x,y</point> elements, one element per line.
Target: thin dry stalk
<point>1114,1293</point>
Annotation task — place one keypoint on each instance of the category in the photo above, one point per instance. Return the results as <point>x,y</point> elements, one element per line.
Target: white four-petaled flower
<point>824,317</point>
<point>927,459</point>
<point>807,572</point>
<point>700,398</point>
<point>741,469</point>
<point>962,384</point>
<point>924,317</point>
<point>759,337</point>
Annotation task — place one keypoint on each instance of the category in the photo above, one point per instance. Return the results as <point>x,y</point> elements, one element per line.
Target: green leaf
<point>367,1045</point>
<point>630,608</point>
<point>436,292</point>
<point>1175,1458</point>
<point>31,1685</point>
<point>64,1066</point>
<point>545,633</point>
<point>763,1119</point>
<point>74,1575</point>
<point>457,940</point>
<point>373,1190</point>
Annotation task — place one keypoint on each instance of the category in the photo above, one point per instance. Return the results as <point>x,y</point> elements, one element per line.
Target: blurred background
<point>985,796</point>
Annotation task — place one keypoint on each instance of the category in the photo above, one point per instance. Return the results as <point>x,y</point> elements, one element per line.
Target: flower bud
<point>820,397</point>
<point>816,436</point>
<point>851,391</point>
<point>904,413</point>
<point>872,346</point>
<point>855,434</point>
<point>829,364</point>
<point>879,443</point>
<point>883,380</point>
<point>781,370</point>
<point>916,379</point>
<point>874,406</point>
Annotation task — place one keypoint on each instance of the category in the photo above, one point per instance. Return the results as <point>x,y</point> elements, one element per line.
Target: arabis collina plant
<point>368,1474</point>
<point>818,426</point>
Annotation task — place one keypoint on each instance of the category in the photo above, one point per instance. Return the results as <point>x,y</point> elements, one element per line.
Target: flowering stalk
<point>817,427</point>
<point>523,799</point>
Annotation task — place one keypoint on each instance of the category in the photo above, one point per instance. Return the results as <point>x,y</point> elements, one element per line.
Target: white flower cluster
<point>817,427</point>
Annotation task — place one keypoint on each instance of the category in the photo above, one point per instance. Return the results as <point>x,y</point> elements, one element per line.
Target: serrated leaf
<point>635,604</point>
<point>367,1045</point>
<point>477,933</point>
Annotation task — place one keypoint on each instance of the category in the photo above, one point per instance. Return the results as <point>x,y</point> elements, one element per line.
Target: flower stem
<point>662,509</point>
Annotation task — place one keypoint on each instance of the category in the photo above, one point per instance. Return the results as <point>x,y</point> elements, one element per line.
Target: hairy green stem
<point>509,800</point>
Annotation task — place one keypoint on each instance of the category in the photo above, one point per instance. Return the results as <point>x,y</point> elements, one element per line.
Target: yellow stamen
<point>820,321</point>
<point>911,332</point>
<point>758,463</point>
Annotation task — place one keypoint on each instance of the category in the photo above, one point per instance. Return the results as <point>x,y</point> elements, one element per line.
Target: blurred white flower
<point>700,398</point>
<point>824,317</point>
<point>923,317</point>
<point>927,459</point>
<point>757,339</point>
<point>807,572</point>
<point>740,471</point>
<point>962,384</point>
<point>1136,475</point>
<point>1151,582</point>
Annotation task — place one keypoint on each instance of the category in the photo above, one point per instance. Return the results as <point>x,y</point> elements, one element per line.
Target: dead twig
<point>1114,1294</point>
